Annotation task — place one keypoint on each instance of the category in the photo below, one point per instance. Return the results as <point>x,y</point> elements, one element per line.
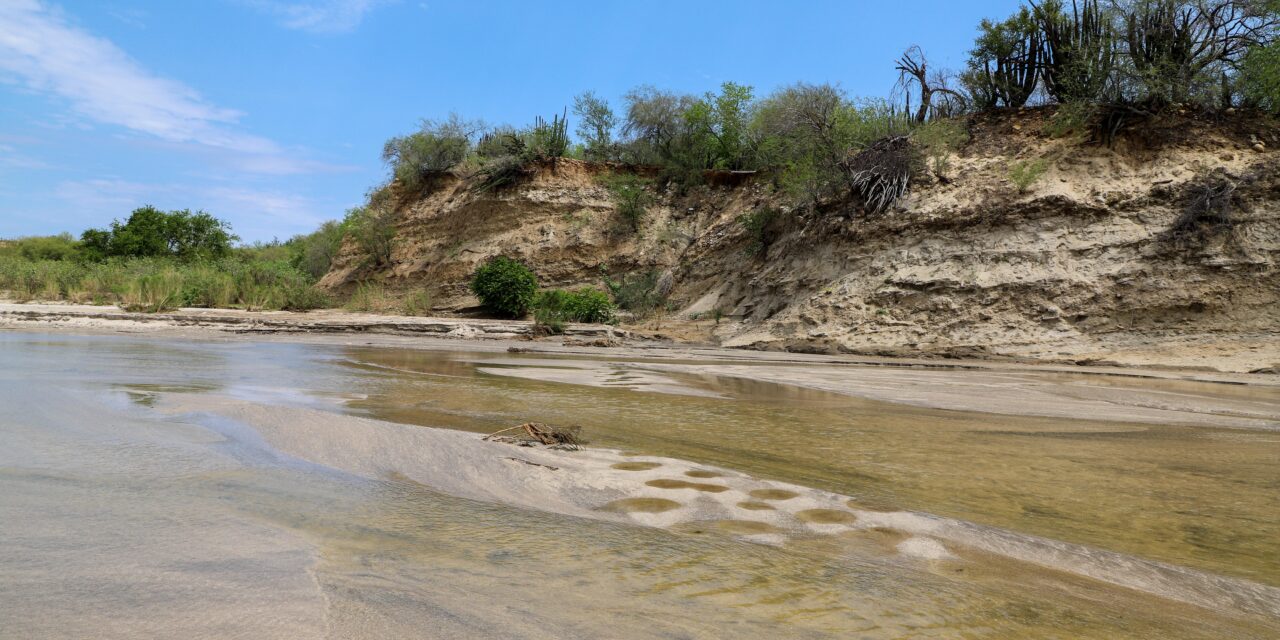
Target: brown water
<point>119,522</point>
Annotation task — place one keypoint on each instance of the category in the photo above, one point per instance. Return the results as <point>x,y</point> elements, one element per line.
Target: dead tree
<point>913,72</point>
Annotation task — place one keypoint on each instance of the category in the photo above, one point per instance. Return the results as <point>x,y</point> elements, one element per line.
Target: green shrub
<point>373,231</point>
<point>313,253</point>
<point>758,223</point>
<point>368,297</point>
<point>435,148</point>
<point>554,307</point>
<point>936,141</point>
<point>59,247</point>
<point>505,286</point>
<point>1261,76</point>
<point>638,293</point>
<point>1073,120</point>
<point>549,315</point>
<point>588,305</point>
<point>631,199</point>
<point>1024,173</point>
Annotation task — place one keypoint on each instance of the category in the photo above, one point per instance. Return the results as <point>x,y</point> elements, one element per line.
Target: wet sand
<point>263,435</point>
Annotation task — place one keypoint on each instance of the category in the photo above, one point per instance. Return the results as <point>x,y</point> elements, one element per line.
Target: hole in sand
<point>773,494</point>
<point>636,466</point>
<point>755,506</point>
<point>731,527</point>
<point>825,516</point>
<point>665,483</point>
<point>641,505</point>
<point>703,473</point>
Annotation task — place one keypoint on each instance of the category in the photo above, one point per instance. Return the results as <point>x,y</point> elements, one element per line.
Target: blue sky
<point>272,113</point>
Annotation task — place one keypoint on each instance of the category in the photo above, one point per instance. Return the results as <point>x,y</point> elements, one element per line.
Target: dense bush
<point>760,227</point>
<point>59,247</point>
<point>435,148</point>
<point>554,307</point>
<point>372,229</point>
<point>150,232</point>
<point>313,253</point>
<point>1261,77</point>
<point>505,286</point>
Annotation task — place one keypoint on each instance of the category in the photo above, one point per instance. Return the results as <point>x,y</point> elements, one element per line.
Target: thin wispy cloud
<point>318,16</point>
<point>42,51</point>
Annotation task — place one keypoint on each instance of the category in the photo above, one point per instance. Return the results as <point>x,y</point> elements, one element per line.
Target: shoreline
<point>491,335</point>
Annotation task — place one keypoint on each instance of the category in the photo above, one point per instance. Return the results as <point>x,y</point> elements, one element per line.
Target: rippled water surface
<point>119,521</point>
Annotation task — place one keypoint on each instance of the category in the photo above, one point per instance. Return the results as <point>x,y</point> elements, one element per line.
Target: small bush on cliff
<point>506,286</point>
<point>373,231</point>
<point>435,148</point>
<point>631,199</point>
<point>1024,173</point>
<point>758,224</point>
<point>936,141</point>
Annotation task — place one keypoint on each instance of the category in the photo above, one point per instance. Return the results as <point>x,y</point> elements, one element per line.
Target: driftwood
<point>536,432</point>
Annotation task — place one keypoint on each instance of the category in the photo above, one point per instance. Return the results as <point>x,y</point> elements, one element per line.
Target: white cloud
<point>318,16</point>
<point>45,53</point>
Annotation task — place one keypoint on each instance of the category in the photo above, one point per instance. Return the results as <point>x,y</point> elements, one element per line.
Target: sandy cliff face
<point>1083,266</point>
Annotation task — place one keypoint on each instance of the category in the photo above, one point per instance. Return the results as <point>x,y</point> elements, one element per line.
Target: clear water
<point>119,522</point>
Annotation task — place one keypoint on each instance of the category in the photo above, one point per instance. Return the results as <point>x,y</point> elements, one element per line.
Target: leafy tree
<point>727,121</point>
<point>596,122</point>
<point>150,232</point>
<point>1261,76</point>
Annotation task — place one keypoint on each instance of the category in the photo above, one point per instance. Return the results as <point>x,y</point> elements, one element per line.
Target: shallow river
<point>118,520</point>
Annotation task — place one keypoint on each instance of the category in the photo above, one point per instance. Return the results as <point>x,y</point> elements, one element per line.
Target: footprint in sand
<point>667,483</point>
<point>636,466</point>
<point>825,516</point>
<point>641,505</point>
<point>773,494</point>
<point>703,473</point>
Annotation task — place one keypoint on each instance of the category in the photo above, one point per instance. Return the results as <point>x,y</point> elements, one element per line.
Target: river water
<point>119,520</point>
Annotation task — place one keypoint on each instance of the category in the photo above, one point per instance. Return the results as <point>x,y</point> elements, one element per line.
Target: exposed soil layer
<point>1098,261</point>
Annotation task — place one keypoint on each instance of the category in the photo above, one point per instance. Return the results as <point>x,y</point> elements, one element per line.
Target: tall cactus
<point>1004,68</point>
<point>1079,49</point>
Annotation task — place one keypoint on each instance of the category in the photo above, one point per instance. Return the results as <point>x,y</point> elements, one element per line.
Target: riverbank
<point>1006,386</point>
